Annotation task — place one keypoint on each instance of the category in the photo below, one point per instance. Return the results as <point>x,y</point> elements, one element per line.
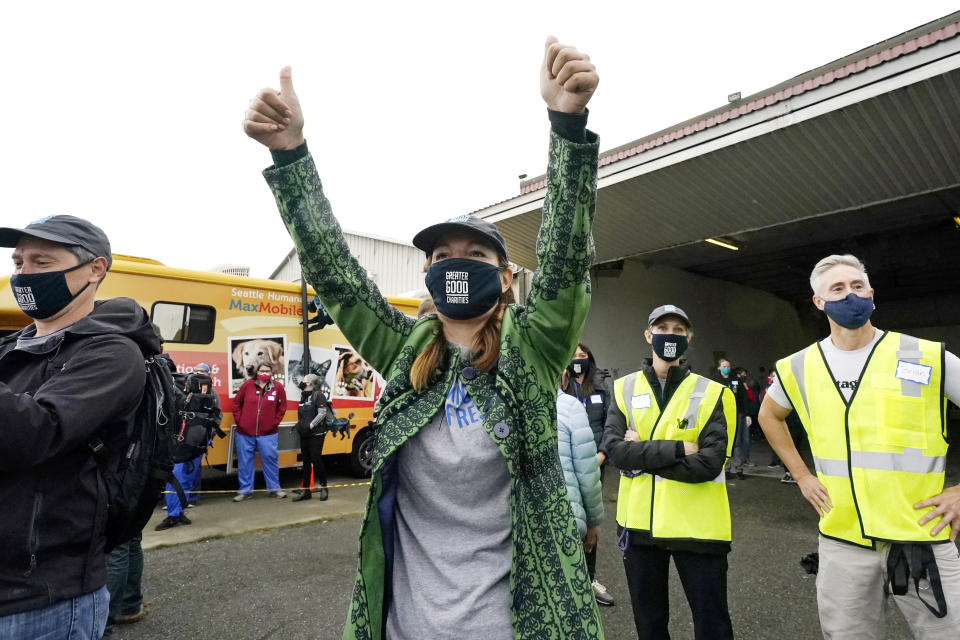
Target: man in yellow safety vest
<point>872,404</point>
<point>670,432</point>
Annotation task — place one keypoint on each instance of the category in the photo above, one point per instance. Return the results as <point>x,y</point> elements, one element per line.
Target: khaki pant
<point>851,599</point>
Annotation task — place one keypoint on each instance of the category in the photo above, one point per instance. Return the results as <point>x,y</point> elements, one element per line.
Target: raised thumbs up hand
<point>567,77</point>
<point>275,119</point>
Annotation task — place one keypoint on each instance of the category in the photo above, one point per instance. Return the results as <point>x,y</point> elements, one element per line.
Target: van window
<point>179,322</point>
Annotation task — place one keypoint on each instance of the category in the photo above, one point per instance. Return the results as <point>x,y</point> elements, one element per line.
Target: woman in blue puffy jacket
<point>581,473</point>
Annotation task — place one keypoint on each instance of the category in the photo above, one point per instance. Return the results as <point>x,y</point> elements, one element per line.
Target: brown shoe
<point>136,616</point>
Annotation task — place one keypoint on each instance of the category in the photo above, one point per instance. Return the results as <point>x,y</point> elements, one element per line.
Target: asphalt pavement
<point>293,580</point>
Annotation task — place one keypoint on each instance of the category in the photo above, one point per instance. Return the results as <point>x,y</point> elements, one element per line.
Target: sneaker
<point>600,593</point>
<point>788,479</point>
<point>748,463</point>
<point>324,494</point>
<point>168,523</point>
<point>191,505</point>
<point>240,497</point>
<point>184,519</point>
<point>164,507</point>
<point>304,495</point>
<point>280,495</point>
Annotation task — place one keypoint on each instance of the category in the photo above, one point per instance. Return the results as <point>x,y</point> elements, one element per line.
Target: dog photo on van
<point>355,377</point>
<point>247,353</point>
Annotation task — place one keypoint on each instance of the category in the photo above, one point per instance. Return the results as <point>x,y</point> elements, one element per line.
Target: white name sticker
<point>596,399</point>
<point>641,401</point>
<point>912,372</point>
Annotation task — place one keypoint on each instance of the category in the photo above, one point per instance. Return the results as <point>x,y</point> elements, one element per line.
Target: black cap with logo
<point>427,239</point>
<point>63,229</point>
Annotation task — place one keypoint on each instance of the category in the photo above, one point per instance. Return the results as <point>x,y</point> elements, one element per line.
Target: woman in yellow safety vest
<point>670,432</point>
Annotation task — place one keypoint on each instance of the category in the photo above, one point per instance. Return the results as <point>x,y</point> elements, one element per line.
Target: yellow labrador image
<point>250,354</point>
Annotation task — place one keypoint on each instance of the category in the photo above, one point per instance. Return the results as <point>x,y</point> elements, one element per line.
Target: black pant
<point>311,450</point>
<point>704,579</point>
<point>591,555</point>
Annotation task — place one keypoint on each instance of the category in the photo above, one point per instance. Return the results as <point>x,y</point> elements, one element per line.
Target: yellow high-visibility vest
<point>885,449</point>
<point>670,509</point>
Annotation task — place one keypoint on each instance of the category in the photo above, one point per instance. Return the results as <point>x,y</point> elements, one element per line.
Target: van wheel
<point>361,458</point>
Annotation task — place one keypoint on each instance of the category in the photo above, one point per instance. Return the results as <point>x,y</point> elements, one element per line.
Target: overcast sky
<point>128,114</point>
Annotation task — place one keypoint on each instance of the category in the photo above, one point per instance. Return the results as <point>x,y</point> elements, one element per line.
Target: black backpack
<point>198,419</point>
<point>135,476</point>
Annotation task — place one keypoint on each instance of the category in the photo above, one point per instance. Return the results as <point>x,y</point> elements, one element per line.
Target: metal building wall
<point>394,267</point>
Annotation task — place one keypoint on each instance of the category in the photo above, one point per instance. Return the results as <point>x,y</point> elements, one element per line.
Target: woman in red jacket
<point>258,409</point>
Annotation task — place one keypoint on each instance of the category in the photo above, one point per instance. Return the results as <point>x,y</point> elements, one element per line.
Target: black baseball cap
<point>426,239</point>
<point>667,310</point>
<point>63,229</point>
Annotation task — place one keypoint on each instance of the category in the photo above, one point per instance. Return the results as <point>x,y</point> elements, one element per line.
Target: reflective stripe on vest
<point>894,425</point>
<point>670,509</point>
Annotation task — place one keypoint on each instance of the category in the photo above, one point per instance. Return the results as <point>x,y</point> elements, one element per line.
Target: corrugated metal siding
<point>393,267</point>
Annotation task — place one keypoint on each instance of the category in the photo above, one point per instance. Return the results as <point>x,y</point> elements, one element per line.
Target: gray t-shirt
<point>846,367</point>
<point>453,551</point>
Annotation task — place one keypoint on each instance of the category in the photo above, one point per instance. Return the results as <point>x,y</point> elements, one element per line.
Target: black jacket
<point>310,405</point>
<point>53,502</point>
<point>597,404</point>
<point>666,458</point>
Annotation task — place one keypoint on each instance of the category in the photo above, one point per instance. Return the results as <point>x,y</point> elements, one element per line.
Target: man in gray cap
<point>73,375</point>
<point>670,431</point>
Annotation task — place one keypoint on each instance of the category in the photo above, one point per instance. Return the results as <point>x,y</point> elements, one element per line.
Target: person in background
<point>314,416</point>
<point>581,472</point>
<point>426,307</point>
<point>583,380</point>
<point>670,431</point>
<point>725,376</point>
<point>193,473</point>
<point>125,584</point>
<point>745,419</point>
<point>258,409</point>
<point>189,473</point>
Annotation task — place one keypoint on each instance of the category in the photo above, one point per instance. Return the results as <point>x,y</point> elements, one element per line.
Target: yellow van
<point>232,323</point>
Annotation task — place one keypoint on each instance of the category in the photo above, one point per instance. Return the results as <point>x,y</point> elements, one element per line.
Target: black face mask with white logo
<point>463,288</point>
<point>579,366</point>
<point>41,295</point>
<point>668,346</point>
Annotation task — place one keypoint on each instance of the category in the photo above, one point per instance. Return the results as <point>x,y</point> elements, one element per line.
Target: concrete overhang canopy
<point>877,126</point>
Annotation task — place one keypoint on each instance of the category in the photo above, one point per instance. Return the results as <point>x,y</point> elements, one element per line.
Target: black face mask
<point>579,366</point>
<point>41,295</point>
<point>668,346</point>
<point>463,288</point>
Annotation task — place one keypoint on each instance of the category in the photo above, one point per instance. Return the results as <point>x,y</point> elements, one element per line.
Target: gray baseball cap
<point>667,310</point>
<point>63,229</point>
<point>426,239</point>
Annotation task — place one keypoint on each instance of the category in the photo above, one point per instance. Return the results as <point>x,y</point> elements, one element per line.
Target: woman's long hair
<point>589,378</point>
<point>486,344</point>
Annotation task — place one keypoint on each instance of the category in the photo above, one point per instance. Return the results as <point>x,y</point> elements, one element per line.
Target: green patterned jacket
<point>551,591</point>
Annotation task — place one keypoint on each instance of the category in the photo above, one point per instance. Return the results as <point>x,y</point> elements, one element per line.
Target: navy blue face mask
<point>41,295</point>
<point>669,346</point>
<point>463,288</point>
<point>850,313</point>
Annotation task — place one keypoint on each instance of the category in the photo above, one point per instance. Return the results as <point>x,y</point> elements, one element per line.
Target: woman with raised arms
<point>468,532</point>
